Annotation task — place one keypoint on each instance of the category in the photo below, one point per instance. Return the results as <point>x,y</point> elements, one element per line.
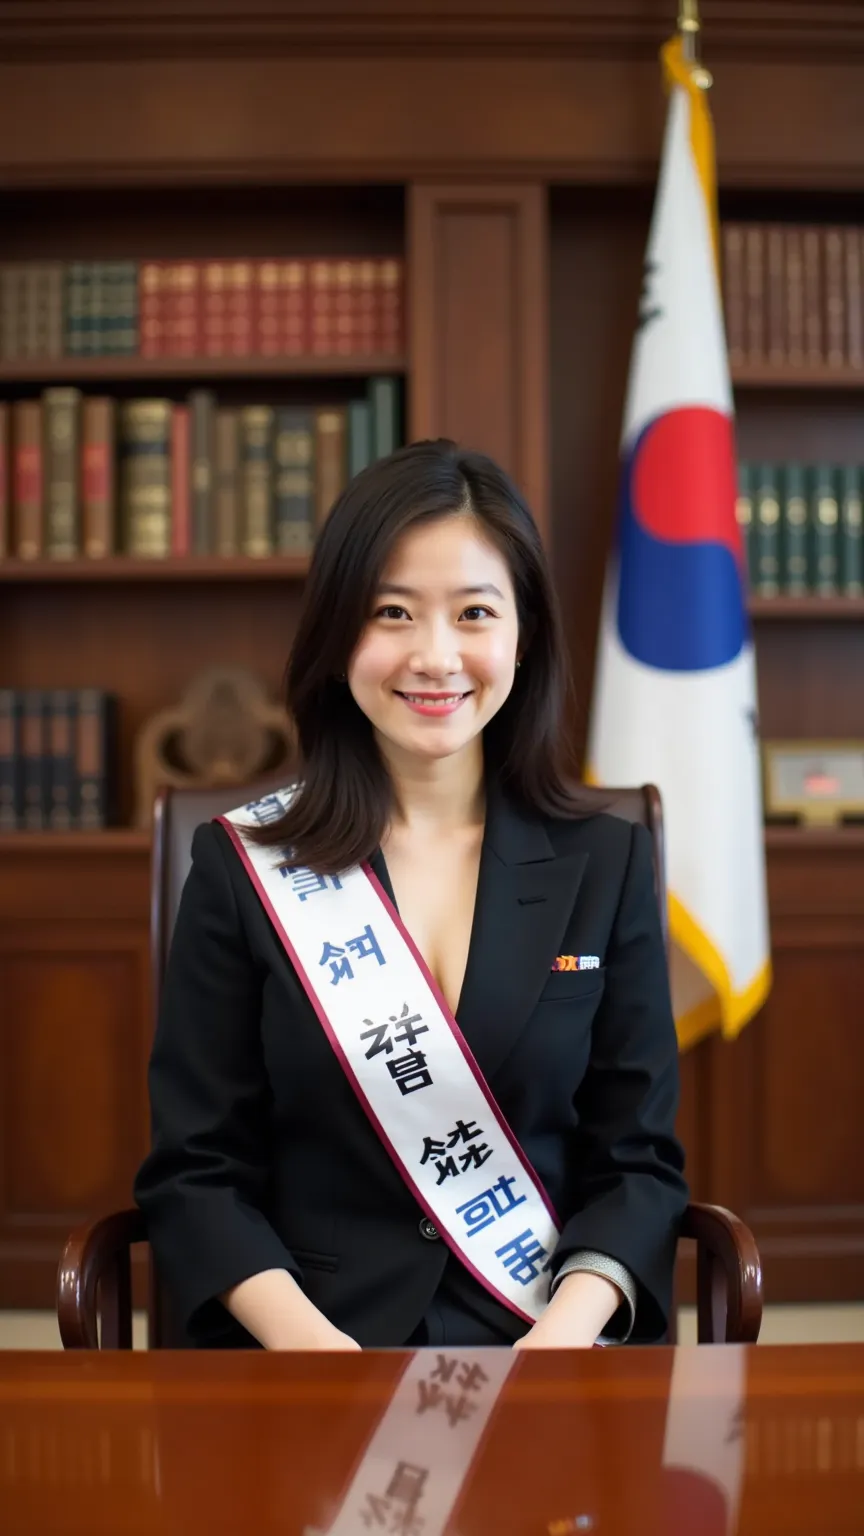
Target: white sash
<point>409,1065</point>
<point>416,1461</point>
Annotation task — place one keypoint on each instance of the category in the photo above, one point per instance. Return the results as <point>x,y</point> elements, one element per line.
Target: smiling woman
<point>366,1043</point>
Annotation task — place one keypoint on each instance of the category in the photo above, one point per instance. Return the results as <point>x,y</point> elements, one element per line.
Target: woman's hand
<point>576,1315</point>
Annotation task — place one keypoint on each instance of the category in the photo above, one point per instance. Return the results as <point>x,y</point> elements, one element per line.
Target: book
<point>202,411</point>
<point>96,758</point>
<point>851,532</point>
<point>825,513</point>
<point>11,786</point>
<point>256,480</point>
<point>330,459</point>
<point>61,417</point>
<point>227,482</point>
<point>98,477</point>
<point>62,806</point>
<point>145,477</point>
<point>35,780</point>
<point>795,578</point>
<point>766,513</point>
<point>744,518</point>
<point>27,479</point>
<point>294,481</point>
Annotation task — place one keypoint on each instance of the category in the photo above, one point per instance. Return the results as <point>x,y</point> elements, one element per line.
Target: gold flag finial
<point>690,26</point>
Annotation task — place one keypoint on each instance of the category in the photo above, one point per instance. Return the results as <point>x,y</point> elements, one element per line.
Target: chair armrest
<point>97,1258</point>
<point>728,1276</point>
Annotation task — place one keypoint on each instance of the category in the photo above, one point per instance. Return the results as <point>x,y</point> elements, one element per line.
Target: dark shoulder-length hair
<point>344,796</point>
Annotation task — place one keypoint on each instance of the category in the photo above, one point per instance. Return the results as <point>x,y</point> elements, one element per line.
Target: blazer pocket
<point>309,1260</point>
<point>571,986</point>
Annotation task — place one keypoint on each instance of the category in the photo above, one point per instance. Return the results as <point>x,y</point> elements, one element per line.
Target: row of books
<point>802,527</point>
<point>286,307</point>
<point>794,295</point>
<point>92,476</point>
<point>58,759</point>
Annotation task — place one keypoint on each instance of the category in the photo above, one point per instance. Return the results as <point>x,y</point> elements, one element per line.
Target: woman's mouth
<point>433,704</point>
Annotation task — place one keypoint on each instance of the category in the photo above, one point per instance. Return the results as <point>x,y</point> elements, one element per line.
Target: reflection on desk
<point>708,1440</point>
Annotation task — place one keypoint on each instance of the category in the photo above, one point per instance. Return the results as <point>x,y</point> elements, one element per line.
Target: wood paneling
<point>479,318</point>
<point>552,114</point>
<point>74,1037</point>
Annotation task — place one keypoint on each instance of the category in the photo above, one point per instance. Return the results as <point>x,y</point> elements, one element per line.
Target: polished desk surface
<point>479,1443</point>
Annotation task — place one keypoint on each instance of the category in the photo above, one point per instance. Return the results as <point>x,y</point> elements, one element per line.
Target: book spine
<point>151,308</point>
<point>214,338</point>
<point>53,283</point>
<point>795,576</point>
<point>295,308</point>
<point>187,340</point>
<point>227,482</point>
<point>344,338</point>
<point>62,807</point>
<point>754,258</point>
<point>795,297</point>
<point>835,299</point>
<point>855,297</point>
<point>256,518</point>
<point>294,481</point>
<point>95,311</point>
<point>322,339</point>
<point>98,477</point>
<point>76,309</point>
<point>330,449</point>
<point>242,320</point>
<point>96,758</point>
<point>851,531</point>
<point>767,520</point>
<point>391,320</point>
<point>202,412</point>
<point>11,291</point>
<point>744,518</point>
<point>181,481</point>
<point>145,477</point>
<point>384,401</point>
<point>11,796</point>
<point>28,479</point>
<point>34,760</point>
<point>814,343</point>
<point>359,436</point>
<point>366,303</point>
<point>31,328</point>
<point>61,416</point>
<point>776,295</point>
<point>5,489</point>
<point>268,338</point>
<point>825,531</point>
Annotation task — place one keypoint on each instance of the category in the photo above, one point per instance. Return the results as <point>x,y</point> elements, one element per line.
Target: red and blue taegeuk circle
<point>681,583</point>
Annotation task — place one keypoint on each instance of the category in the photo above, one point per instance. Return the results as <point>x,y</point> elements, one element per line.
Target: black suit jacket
<point>263,1158</point>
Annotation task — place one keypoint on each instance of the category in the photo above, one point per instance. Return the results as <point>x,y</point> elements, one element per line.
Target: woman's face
<point>436,659</point>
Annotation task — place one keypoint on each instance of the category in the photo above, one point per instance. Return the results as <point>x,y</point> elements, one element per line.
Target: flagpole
<point>689,26</point>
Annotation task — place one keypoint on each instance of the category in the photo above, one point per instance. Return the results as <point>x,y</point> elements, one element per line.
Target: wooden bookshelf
<point>122,568</point>
<point>769,376</point>
<point>110,841</point>
<point>105,370</point>
<point>814,609</point>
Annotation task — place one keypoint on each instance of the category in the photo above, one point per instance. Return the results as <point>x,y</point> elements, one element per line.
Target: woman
<point>316,1184</point>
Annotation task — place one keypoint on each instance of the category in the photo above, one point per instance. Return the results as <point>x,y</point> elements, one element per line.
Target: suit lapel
<point>525,896</point>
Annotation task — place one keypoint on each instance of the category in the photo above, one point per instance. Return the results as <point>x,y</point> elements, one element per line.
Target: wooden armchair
<point>95,1272</point>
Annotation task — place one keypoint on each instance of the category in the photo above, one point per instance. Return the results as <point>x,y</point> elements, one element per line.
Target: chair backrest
<point>178,812</point>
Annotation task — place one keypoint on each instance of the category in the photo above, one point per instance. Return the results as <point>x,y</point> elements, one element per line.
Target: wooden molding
<point>60,29</point>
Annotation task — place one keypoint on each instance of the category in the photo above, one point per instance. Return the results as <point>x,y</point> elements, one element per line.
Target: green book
<point>767,530</point>
<point>294,480</point>
<point>794,541</point>
<point>744,515</point>
<point>824,517</point>
<point>359,436</point>
<point>851,542</point>
<point>384,402</point>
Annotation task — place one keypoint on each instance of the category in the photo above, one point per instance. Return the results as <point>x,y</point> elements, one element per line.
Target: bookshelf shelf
<point>781,376</point>
<point>83,370</point>
<point>113,840</point>
<point>788,839</point>
<point>121,568</point>
<point>814,608</point>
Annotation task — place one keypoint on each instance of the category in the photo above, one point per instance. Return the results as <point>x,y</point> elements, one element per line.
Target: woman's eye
<point>477,612</point>
<point>391,611</point>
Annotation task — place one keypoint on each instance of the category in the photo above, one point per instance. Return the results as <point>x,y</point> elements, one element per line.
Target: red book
<point>152,308</point>
<point>365,307</point>
<point>186,338</point>
<point>28,478</point>
<point>267,341</point>
<point>241,327</point>
<point>215,309</point>
<point>391,329</point>
<point>323,308</point>
<point>181,515</point>
<point>295,308</point>
<point>98,489</point>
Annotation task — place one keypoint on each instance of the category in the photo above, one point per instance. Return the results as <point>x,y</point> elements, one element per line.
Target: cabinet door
<point>478,317</point>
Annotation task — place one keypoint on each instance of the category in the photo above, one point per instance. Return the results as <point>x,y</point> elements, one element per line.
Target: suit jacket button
<point>429,1230</point>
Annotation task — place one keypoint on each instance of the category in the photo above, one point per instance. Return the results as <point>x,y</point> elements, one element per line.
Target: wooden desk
<point>629,1441</point>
